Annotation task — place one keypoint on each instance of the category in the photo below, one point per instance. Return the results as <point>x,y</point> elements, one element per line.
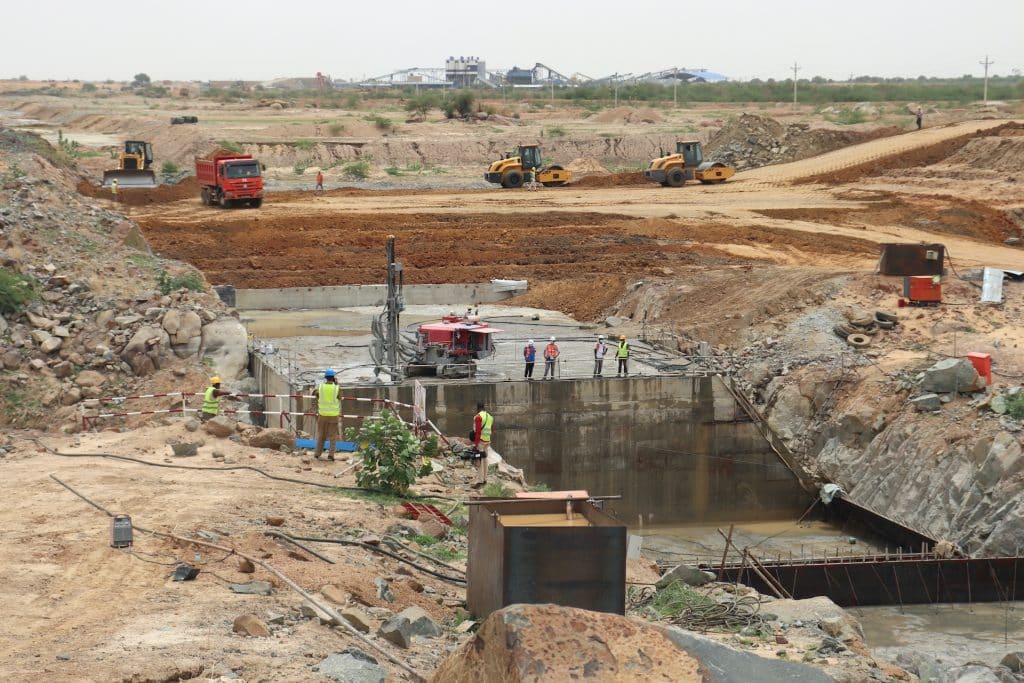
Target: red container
<point>923,288</point>
<point>982,362</point>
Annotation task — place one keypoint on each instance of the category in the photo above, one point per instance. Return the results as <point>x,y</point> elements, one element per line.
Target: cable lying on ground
<point>327,609</point>
<point>257,470</point>
<point>372,548</point>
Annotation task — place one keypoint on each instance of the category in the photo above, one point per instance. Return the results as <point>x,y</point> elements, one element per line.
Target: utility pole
<point>795,68</point>
<point>394,306</point>
<point>616,85</point>
<point>987,63</point>
<point>675,85</point>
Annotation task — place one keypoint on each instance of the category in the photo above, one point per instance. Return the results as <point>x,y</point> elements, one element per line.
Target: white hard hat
<point>600,336</point>
<point>529,341</point>
<point>552,339</point>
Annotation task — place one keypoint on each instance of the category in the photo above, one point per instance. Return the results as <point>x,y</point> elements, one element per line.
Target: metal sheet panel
<point>992,286</point>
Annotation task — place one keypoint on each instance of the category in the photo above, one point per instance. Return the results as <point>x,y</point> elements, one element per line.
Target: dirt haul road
<point>577,236</point>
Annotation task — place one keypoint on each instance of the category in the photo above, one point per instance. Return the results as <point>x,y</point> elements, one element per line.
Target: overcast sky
<point>263,39</point>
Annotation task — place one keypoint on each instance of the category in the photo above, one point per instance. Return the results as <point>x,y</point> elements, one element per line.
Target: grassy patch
<point>382,123</point>
<point>424,540</point>
<point>231,146</point>
<point>1015,406</point>
<point>847,117</point>
<point>16,290</point>
<point>357,170</point>
<point>556,132</point>
<point>336,129</point>
<point>167,283</point>
<point>497,490</point>
<point>305,145</point>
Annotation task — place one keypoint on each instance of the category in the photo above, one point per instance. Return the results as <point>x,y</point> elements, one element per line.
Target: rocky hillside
<point>102,315</point>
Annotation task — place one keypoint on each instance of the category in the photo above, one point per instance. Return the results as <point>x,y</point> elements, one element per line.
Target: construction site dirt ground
<point>580,246</point>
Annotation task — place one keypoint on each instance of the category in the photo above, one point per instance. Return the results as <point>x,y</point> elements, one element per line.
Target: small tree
<point>393,457</point>
<point>464,101</point>
<point>141,80</point>
<point>16,290</point>
<point>419,105</point>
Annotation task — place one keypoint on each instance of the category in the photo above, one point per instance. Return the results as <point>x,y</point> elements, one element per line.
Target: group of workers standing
<point>551,354</point>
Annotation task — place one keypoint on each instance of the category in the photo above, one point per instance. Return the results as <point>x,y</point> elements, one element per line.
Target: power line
<point>986,63</point>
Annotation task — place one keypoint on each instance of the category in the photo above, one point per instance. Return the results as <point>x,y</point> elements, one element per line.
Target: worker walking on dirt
<point>920,118</point>
<point>550,356</point>
<point>320,181</point>
<point>529,356</point>
<point>211,400</point>
<point>328,414</point>
<point>600,351</point>
<point>482,424</point>
<point>622,353</point>
<point>113,188</point>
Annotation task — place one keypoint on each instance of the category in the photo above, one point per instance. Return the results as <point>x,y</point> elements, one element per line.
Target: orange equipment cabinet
<point>982,362</point>
<point>923,289</point>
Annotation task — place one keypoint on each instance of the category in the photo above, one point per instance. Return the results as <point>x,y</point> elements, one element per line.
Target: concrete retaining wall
<point>367,295</point>
<point>678,449</point>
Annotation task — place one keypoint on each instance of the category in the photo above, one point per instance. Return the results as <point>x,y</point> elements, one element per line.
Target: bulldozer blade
<point>130,179</point>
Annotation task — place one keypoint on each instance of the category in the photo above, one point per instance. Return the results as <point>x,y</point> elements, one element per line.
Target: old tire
<point>863,322</point>
<point>204,197</point>
<point>887,317</point>
<point>512,178</point>
<point>225,202</point>
<point>858,341</point>
<point>256,203</point>
<point>675,177</point>
<point>885,324</point>
<point>844,331</point>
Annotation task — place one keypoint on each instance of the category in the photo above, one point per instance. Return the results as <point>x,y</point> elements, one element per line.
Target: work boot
<point>330,457</point>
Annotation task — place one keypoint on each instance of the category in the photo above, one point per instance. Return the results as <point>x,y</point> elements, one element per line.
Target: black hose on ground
<point>376,549</point>
<point>230,469</point>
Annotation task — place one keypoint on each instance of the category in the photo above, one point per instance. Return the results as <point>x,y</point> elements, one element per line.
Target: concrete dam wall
<point>678,449</point>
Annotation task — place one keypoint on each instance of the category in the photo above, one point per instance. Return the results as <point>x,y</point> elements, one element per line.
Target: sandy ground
<point>79,610</point>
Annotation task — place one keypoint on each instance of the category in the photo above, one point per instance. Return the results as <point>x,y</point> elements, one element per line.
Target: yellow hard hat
<point>215,380</point>
<point>622,337</point>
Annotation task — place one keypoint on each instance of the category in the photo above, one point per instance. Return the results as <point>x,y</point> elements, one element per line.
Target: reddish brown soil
<point>935,213</point>
<point>612,180</point>
<point>923,156</point>
<point>187,188</point>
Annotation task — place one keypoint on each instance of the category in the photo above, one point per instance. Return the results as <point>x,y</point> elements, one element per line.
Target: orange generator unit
<point>923,290</point>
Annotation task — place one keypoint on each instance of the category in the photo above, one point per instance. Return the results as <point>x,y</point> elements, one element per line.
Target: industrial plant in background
<point>472,72</point>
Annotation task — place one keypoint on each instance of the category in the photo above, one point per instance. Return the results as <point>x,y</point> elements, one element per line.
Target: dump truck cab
<point>687,163</point>
<point>511,169</point>
<point>230,179</point>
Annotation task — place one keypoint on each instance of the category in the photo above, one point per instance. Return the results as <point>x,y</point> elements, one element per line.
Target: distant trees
<point>141,80</point>
<point>420,105</point>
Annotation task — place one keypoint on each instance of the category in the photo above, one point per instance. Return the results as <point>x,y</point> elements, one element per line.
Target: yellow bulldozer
<point>512,169</point>
<point>673,170</point>
<point>133,166</point>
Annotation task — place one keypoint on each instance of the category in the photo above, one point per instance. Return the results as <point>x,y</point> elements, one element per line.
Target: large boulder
<point>185,330</point>
<point>691,576</point>
<point>951,374</point>
<point>273,438</point>
<point>227,345</point>
<point>552,643</point>
<point>221,426</point>
<point>147,350</point>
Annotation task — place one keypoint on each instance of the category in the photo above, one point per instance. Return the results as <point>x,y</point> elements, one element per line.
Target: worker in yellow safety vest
<point>211,400</point>
<point>622,353</point>
<point>482,424</point>
<point>328,414</point>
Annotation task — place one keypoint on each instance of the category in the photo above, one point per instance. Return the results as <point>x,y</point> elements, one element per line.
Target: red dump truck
<point>230,180</point>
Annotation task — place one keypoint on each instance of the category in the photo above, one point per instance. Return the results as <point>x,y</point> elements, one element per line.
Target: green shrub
<point>464,100</point>
<point>300,167</point>
<point>381,122</point>
<point>336,128</point>
<point>169,168</point>
<point>357,170</point>
<point>16,290</point>
<point>497,490</point>
<point>556,132</point>
<point>304,145</point>
<point>231,146</point>
<point>847,117</point>
<point>169,283</point>
<point>1015,406</point>
<point>420,105</point>
<point>393,457</point>
<point>88,87</point>
<point>393,171</point>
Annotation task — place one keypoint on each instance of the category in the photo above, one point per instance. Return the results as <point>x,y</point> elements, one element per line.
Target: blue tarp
<point>341,446</point>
